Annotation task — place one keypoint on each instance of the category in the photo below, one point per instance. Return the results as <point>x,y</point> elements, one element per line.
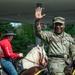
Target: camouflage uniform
<point>59,45</point>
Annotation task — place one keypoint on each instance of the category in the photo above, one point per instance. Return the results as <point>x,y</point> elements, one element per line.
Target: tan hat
<point>59,20</point>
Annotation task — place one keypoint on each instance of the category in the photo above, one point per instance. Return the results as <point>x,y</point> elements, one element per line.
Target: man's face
<point>10,37</point>
<point>58,28</point>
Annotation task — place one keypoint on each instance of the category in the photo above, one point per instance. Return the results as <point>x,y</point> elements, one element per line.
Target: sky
<point>15,24</point>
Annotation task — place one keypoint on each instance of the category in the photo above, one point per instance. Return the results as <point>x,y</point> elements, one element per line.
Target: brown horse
<point>32,71</point>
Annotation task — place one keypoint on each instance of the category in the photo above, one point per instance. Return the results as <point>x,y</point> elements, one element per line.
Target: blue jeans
<point>8,66</point>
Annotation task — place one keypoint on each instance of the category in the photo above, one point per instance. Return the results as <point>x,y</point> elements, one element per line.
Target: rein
<point>34,63</point>
<point>31,61</point>
<point>42,55</point>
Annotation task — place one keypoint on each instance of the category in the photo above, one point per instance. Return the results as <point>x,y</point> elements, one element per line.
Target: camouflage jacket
<point>58,44</point>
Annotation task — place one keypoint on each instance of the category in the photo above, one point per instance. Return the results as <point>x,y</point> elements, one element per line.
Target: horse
<point>34,61</point>
<point>36,70</point>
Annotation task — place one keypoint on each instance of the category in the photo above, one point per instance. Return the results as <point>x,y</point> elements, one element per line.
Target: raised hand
<point>38,13</point>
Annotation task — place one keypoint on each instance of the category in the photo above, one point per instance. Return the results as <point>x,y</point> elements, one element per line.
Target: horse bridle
<point>42,55</point>
<point>35,62</point>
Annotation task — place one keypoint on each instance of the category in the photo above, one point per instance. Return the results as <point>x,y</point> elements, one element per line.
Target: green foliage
<point>70,28</point>
<point>26,32</point>
<point>19,45</point>
<point>3,26</point>
<point>25,37</point>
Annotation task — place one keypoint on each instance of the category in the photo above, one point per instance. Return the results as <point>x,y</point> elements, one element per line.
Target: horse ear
<point>42,46</point>
<point>38,45</point>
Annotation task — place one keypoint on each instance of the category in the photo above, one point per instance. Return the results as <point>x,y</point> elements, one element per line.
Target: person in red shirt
<point>7,53</point>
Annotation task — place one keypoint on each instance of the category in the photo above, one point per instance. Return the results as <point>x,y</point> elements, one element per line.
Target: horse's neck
<point>33,55</point>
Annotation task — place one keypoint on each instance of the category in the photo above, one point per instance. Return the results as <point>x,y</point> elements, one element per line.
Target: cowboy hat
<point>8,33</point>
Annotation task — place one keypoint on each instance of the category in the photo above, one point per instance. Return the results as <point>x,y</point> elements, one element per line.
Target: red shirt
<point>7,49</point>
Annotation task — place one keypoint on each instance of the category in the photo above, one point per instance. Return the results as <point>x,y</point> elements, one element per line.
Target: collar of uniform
<point>59,35</point>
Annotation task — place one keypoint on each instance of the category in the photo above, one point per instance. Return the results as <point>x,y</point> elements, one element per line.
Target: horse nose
<point>44,62</point>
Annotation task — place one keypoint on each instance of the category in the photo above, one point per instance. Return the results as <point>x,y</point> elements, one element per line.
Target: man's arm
<point>38,16</point>
<point>37,28</point>
<point>45,35</point>
<point>72,48</point>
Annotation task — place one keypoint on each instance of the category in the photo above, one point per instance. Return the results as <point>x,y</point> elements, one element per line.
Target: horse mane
<point>33,56</point>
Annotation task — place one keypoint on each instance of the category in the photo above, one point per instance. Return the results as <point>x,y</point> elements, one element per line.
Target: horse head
<point>42,55</point>
<point>35,57</point>
<point>34,61</point>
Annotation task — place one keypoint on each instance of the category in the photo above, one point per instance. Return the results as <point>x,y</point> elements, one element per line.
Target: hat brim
<point>9,34</point>
<point>58,22</point>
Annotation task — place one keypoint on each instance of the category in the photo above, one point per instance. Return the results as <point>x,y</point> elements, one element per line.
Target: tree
<point>26,31</point>
<point>70,28</point>
<point>25,37</point>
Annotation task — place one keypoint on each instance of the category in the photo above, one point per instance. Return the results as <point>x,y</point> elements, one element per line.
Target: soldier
<point>61,44</point>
